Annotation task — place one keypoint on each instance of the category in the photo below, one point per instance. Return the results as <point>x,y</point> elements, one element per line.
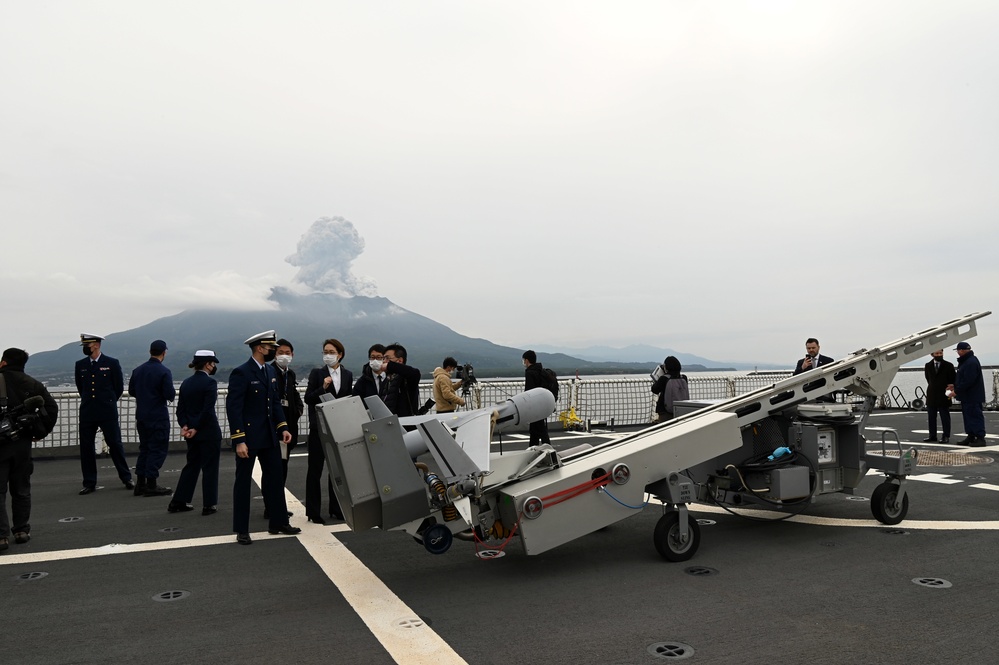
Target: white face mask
<point>331,359</point>
<point>375,365</point>
<point>282,361</point>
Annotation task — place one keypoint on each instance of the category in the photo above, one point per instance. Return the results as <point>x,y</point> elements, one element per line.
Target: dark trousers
<point>15,472</point>
<point>539,432</point>
<point>88,455</point>
<point>272,486</point>
<point>974,418</point>
<point>313,483</point>
<point>202,458</point>
<point>944,411</point>
<point>154,442</point>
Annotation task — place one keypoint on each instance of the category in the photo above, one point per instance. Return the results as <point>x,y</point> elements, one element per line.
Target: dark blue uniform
<point>100,383</point>
<point>253,409</point>
<point>196,410</point>
<point>969,386</point>
<point>151,384</point>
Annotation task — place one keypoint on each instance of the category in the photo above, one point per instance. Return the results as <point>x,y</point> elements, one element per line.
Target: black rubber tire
<point>437,539</point>
<point>883,504</point>
<point>666,537</point>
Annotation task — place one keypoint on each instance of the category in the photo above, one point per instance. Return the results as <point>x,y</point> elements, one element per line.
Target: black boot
<point>152,489</point>
<point>140,486</point>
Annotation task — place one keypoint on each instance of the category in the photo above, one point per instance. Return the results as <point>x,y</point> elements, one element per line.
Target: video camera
<point>467,375</point>
<point>22,417</point>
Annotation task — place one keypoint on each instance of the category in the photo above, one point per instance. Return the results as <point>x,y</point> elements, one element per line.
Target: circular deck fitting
<point>171,529</point>
<point>932,582</point>
<point>975,478</point>
<point>29,577</point>
<point>409,622</point>
<point>169,596</point>
<point>944,458</point>
<point>829,543</point>
<point>70,519</point>
<point>706,522</point>
<point>895,532</point>
<point>700,571</point>
<point>490,554</point>
<point>857,498</point>
<point>671,650</point>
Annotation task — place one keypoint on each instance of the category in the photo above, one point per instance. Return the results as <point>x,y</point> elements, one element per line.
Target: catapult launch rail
<point>774,447</point>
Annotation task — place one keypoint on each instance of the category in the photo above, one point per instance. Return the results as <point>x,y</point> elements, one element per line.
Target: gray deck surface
<point>781,592</point>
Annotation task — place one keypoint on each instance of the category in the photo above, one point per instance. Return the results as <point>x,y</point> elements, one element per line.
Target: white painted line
<point>939,525</point>
<point>941,478</point>
<point>985,486</point>
<point>397,627</point>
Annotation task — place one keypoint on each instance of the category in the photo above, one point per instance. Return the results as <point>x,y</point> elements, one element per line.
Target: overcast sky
<point>721,178</point>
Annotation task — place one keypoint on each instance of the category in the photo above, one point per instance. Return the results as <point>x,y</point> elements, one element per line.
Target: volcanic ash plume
<point>324,255</point>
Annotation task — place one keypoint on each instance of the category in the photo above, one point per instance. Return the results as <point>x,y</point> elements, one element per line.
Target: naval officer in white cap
<point>257,427</point>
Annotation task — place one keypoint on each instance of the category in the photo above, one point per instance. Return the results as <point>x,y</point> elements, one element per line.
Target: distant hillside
<point>307,320</point>
<point>650,355</point>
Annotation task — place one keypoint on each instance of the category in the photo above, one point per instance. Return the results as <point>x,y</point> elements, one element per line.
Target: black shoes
<point>317,520</point>
<point>88,490</point>
<point>3,544</point>
<point>946,439</point>
<point>129,485</point>
<point>179,507</point>
<point>21,537</point>
<point>139,486</point>
<point>209,510</point>
<point>287,530</point>
<point>152,489</point>
<point>970,440</point>
<point>932,439</point>
<point>244,539</point>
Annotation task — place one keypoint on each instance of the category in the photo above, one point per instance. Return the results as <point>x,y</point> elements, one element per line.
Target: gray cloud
<point>324,255</point>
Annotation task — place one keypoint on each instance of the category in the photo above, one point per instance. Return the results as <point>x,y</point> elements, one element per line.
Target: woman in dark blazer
<point>331,379</point>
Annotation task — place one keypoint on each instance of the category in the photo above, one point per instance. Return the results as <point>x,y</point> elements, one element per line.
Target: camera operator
<point>28,413</point>
<point>445,399</point>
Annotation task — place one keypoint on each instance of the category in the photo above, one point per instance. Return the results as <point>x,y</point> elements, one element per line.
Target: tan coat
<point>445,399</point>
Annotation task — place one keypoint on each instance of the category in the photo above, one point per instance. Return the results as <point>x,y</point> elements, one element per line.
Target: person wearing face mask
<point>257,427</point>
<point>939,374</point>
<point>372,379</point>
<point>100,383</point>
<point>291,401</point>
<point>402,389</point>
<point>199,425</point>
<point>331,380</point>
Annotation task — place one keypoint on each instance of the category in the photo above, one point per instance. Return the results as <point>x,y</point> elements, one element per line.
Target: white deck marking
<point>939,525</point>
<point>397,627</point>
<point>985,486</point>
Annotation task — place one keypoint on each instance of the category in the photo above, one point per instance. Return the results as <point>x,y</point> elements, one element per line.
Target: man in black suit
<point>939,374</point>
<point>291,401</point>
<point>335,380</point>
<point>402,390</point>
<point>812,357</point>
<point>372,379</point>
<point>100,383</point>
<point>257,426</point>
<point>199,425</point>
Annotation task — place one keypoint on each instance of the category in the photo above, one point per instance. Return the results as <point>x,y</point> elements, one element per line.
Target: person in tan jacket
<point>445,399</point>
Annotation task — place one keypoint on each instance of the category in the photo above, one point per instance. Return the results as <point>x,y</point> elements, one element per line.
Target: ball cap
<point>963,346</point>
<point>204,356</point>
<point>88,338</point>
<point>268,337</point>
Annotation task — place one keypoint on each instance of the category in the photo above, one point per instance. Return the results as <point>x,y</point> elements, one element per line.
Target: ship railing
<point>596,402</point>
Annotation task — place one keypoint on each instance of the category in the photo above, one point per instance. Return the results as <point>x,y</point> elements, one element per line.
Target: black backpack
<point>551,382</point>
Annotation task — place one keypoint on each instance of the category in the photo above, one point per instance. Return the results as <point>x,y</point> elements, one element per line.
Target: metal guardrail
<point>626,401</point>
